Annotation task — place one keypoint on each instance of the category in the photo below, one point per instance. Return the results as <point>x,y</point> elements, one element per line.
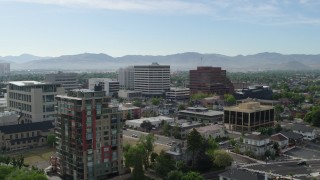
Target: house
<point>129,111</point>
<point>294,138</point>
<point>184,127</point>
<point>281,139</point>
<point>213,131</point>
<point>306,131</point>
<point>258,144</point>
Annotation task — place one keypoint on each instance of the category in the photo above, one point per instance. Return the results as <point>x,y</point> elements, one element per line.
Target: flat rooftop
<point>26,83</point>
<point>206,113</point>
<point>151,119</point>
<point>249,107</point>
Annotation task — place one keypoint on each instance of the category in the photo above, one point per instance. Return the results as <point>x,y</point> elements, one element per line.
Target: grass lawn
<point>157,147</point>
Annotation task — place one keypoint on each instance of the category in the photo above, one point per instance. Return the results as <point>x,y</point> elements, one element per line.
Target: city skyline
<point>139,27</point>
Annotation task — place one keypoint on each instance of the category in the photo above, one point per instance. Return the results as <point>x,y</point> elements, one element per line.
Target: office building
<point>33,100</point>
<point>248,117</point>
<point>176,94</point>
<point>255,92</point>
<point>152,80</point>
<point>67,80</point>
<point>125,77</point>
<point>200,114</point>
<point>4,68</point>
<point>129,95</point>
<point>210,80</point>
<point>89,133</point>
<point>111,87</point>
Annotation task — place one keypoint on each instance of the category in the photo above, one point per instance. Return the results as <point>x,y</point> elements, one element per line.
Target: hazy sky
<point>159,27</point>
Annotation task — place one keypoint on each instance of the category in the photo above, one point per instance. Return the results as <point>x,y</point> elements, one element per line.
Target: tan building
<point>33,100</point>
<point>249,116</point>
<point>25,136</point>
<point>212,131</point>
<point>129,111</point>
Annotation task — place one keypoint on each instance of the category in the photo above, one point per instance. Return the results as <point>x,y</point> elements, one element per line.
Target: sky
<point>159,27</point>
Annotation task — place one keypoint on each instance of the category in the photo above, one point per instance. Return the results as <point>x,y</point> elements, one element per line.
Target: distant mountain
<point>182,61</point>
<point>22,58</point>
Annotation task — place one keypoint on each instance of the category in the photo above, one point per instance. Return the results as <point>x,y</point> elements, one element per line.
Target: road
<point>159,139</point>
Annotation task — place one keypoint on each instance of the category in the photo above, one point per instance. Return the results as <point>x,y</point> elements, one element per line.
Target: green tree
<point>165,128</point>
<point>232,142</point>
<point>278,128</point>
<point>137,103</point>
<point>148,145</point>
<point>194,143</point>
<point>146,125</point>
<point>164,164</point>
<point>175,175</point>
<point>267,153</point>
<point>126,147</point>
<point>181,107</point>
<point>25,174</point>
<point>134,158</point>
<point>176,131</point>
<point>20,161</point>
<point>51,139</point>
<point>155,101</point>
<point>230,99</point>
<point>192,176</point>
<point>222,158</point>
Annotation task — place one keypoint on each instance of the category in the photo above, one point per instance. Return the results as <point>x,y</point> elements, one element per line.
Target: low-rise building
<point>110,86</point>
<point>155,121</point>
<point>184,127</point>
<point>176,94</point>
<point>306,131</point>
<point>248,117</point>
<point>129,111</point>
<point>212,131</point>
<point>24,136</point>
<point>258,144</point>
<point>128,94</point>
<point>294,138</point>
<point>281,139</point>
<point>241,174</point>
<point>201,114</point>
<point>8,118</point>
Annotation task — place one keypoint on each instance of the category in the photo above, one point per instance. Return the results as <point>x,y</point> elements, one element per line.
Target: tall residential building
<point>33,100</point>
<point>4,68</point>
<point>111,87</point>
<point>125,77</point>
<point>89,136</point>
<point>152,80</point>
<point>67,80</point>
<point>210,80</point>
<point>249,116</point>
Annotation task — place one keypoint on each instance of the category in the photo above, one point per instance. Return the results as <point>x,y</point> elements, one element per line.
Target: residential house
<point>294,138</point>
<point>281,139</point>
<point>213,131</point>
<point>258,144</point>
<point>129,111</point>
<point>306,131</point>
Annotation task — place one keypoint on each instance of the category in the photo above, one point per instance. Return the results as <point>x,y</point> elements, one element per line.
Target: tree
<point>276,147</point>
<point>153,157</point>
<point>175,175</point>
<point>232,142</point>
<point>147,143</point>
<point>126,147</point>
<point>230,99</point>
<point>267,154</point>
<point>155,101</point>
<point>165,128</point>
<point>181,107</point>
<point>137,103</point>
<point>192,176</point>
<point>146,125</point>
<point>134,158</point>
<point>20,161</point>
<point>222,158</point>
<point>51,139</point>
<point>164,164</point>
<point>176,131</point>
<point>278,128</point>
<point>194,142</point>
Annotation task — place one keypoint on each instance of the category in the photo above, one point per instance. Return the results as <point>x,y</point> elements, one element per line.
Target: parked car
<point>302,163</point>
<point>134,136</point>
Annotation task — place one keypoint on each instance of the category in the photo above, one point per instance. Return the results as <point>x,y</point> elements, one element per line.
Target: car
<point>230,147</point>
<point>169,144</point>
<point>302,163</point>
<point>134,136</point>
<point>223,142</point>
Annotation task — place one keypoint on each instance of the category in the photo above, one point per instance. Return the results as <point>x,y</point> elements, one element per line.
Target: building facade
<point>33,100</point>
<point>200,114</point>
<point>25,136</point>
<point>210,80</point>
<point>152,80</point>
<point>125,77</point>
<point>256,143</point>
<point>111,87</point>
<point>248,117</point>
<point>4,68</point>
<point>128,94</point>
<point>129,111</point>
<point>176,94</point>
<point>89,134</point>
<point>67,80</point>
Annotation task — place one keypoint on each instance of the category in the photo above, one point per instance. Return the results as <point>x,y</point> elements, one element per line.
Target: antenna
<point>201,61</point>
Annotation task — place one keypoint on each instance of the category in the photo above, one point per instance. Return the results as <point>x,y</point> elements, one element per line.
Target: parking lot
<point>304,153</point>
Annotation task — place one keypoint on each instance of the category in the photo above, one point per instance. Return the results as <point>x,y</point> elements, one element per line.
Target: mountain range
<point>182,61</point>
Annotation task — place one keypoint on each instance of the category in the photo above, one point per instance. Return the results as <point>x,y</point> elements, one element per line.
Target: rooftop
<point>16,128</point>
<point>212,127</point>
<point>185,123</point>
<point>206,113</point>
<point>278,137</point>
<point>26,83</point>
<point>241,174</point>
<point>151,119</point>
<point>256,137</point>
<point>249,107</point>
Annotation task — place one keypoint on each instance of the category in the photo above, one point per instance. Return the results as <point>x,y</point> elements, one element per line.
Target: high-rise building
<point>111,87</point>
<point>89,136</point>
<point>210,80</point>
<point>125,77</point>
<point>33,100</point>
<point>152,80</point>
<point>67,80</point>
<point>4,68</point>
